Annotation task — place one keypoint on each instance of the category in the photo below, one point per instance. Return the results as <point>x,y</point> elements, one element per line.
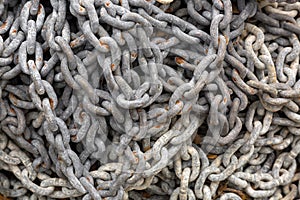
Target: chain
<point>134,99</point>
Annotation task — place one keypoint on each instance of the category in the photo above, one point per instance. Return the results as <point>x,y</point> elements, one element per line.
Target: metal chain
<point>134,99</point>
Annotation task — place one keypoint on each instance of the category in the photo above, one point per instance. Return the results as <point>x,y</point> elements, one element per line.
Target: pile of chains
<point>145,99</point>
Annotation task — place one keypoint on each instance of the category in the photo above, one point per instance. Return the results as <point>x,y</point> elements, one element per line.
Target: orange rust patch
<point>13,98</point>
<point>107,4</point>
<point>157,126</point>
<point>81,9</point>
<point>179,60</point>
<point>72,44</point>
<point>14,31</point>
<point>178,102</point>
<point>135,156</point>
<point>4,198</point>
<point>112,66</point>
<point>212,156</point>
<point>12,111</point>
<point>222,187</point>
<point>40,9</point>
<point>3,25</point>
<point>197,139</point>
<point>234,79</point>
<point>103,44</point>
<point>226,39</point>
<point>134,55</point>
<point>146,148</point>
<point>51,103</point>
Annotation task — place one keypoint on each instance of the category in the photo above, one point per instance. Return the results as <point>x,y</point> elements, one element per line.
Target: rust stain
<point>44,165</point>
<point>51,103</point>
<point>166,108</point>
<point>13,98</point>
<point>238,192</point>
<point>170,82</point>
<point>133,54</point>
<point>104,44</point>
<point>112,66</point>
<point>3,25</point>
<point>197,139</point>
<point>40,9</point>
<point>227,39</point>
<point>235,9</point>
<point>212,156</point>
<point>146,148</point>
<point>59,158</point>
<point>74,137</point>
<point>33,66</point>
<point>12,111</point>
<point>72,44</point>
<point>87,178</point>
<point>4,198</point>
<point>81,9</point>
<point>179,60</point>
<point>169,10</point>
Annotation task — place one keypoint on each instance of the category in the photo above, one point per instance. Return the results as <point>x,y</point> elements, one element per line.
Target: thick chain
<point>134,99</point>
